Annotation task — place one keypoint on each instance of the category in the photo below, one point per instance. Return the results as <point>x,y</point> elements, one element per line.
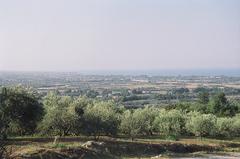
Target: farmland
<point>71,115</point>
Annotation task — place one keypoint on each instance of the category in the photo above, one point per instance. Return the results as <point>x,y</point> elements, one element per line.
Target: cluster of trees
<point>174,123</point>
<point>67,116</point>
<point>23,113</point>
<point>217,104</point>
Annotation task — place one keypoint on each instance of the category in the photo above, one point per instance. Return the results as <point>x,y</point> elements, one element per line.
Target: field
<point>129,90</point>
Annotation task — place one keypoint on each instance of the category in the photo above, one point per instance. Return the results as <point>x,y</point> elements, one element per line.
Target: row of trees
<point>174,123</point>
<point>23,113</point>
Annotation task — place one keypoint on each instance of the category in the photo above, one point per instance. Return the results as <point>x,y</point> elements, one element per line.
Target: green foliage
<point>59,145</point>
<point>236,125</point>
<point>203,97</point>
<point>21,107</point>
<point>201,124</point>
<point>200,107</point>
<point>101,118</point>
<point>129,124</point>
<point>220,106</point>
<point>80,104</point>
<point>59,119</point>
<point>170,123</point>
<point>21,112</point>
<point>138,122</point>
<point>224,127</point>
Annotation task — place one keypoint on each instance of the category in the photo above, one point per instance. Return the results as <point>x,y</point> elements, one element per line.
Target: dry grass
<point>32,147</point>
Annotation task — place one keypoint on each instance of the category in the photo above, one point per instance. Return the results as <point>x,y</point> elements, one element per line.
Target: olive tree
<point>144,119</point>
<point>224,127</point>
<point>59,118</point>
<point>129,124</point>
<point>22,107</point>
<point>236,125</point>
<point>101,118</point>
<point>201,124</point>
<point>138,121</point>
<point>170,123</point>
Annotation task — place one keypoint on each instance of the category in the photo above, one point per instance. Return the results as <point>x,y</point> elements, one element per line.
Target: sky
<point>75,35</point>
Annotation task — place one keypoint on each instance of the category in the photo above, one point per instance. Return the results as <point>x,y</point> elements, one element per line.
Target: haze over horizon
<point>60,35</point>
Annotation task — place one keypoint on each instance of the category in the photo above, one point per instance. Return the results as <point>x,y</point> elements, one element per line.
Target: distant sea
<point>153,72</point>
<point>168,72</point>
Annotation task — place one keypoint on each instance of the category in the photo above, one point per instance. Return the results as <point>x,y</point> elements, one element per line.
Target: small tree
<point>236,125</point>
<point>224,127</point>
<point>129,125</point>
<point>220,106</point>
<point>59,118</point>
<point>170,123</point>
<point>101,118</point>
<point>144,119</point>
<point>79,106</point>
<point>22,107</point>
<point>201,124</point>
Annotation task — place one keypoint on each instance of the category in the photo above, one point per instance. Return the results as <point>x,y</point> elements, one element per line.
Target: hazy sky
<point>72,35</point>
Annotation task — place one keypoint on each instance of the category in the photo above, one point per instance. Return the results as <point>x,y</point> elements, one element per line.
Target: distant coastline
<point>168,72</point>
<point>149,72</point>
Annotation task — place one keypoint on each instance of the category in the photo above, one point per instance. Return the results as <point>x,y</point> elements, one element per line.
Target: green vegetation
<point>201,124</point>
<point>170,123</point>
<point>22,113</point>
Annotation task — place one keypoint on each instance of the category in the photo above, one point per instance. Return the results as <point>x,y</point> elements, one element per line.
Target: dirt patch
<point>145,149</point>
<point>105,148</point>
<point>65,153</point>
